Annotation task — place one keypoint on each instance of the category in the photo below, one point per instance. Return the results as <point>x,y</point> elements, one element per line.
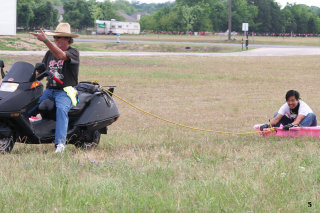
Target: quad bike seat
<point>47,108</point>
<point>84,99</point>
<point>86,91</point>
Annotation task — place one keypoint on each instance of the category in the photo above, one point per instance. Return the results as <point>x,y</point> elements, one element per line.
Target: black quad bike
<point>20,91</point>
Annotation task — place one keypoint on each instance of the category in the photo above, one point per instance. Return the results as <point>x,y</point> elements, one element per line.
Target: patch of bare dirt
<point>24,43</point>
<point>31,44</point>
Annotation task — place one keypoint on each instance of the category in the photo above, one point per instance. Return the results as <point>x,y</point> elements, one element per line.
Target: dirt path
<point>254,52</point>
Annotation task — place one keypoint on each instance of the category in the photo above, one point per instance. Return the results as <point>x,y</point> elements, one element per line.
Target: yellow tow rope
<point>182,125</point>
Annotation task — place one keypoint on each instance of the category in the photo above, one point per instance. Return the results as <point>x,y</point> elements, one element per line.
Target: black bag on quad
<point>90,97</point>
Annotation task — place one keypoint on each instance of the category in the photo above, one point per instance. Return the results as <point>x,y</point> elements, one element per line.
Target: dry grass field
<point>146,165</point>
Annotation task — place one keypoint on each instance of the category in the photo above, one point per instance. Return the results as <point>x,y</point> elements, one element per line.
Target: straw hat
<point>63,30</point>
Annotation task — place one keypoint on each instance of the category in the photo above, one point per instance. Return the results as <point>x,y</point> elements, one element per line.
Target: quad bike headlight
<point>8,86</point>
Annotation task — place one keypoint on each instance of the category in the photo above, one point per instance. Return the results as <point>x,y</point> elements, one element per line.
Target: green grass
<point>12,39</point>
<point>151,47</point>
<point>146,165</point>
<point>85,47</point>
<point>3,46</point>
<point>190,174</point>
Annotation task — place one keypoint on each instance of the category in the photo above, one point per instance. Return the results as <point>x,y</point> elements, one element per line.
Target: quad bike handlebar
<point>49,74</point>
<point>57,80</point>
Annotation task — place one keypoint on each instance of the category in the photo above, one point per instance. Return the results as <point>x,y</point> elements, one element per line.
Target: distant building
<point>8,17</point>
<point>60,12</point>
<point>138,15</point>
<point>117,27</point>
<point>134,17</point>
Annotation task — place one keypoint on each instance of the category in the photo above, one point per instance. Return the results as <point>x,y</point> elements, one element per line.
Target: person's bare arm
<point>276,119</point>
<point>298,120</point>
<point>57,52</point>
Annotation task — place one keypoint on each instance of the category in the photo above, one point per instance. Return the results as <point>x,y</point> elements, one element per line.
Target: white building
<point>60,13</point>
<point>8,17</point>
<point>115,27</point>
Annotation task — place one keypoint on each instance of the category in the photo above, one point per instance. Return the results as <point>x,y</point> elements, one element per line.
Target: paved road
<point>255,52</point>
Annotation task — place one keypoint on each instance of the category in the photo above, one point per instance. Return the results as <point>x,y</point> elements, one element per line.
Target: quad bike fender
<point>5,132</point>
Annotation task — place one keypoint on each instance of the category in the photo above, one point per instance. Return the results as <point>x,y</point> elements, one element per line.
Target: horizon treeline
<point>263,16</point>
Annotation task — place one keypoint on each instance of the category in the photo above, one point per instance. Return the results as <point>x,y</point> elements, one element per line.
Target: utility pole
<point>230,20</point>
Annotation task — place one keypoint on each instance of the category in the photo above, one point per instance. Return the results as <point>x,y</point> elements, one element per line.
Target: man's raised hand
<point>40,36</point>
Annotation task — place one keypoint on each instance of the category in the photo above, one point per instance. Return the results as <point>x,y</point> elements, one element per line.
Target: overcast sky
<point>281,2</point>
<point>307,2</point>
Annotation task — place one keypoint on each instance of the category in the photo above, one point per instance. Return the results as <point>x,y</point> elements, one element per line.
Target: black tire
<point>89,140</point>
<point>6,145</point>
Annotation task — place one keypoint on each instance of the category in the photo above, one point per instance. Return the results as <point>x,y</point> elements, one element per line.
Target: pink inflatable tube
<point>292,132</point>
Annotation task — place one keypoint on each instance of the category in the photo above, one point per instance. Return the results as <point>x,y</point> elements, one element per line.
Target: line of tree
<point>264,16</point>
<point>80,14</point>
<point>33,13</point>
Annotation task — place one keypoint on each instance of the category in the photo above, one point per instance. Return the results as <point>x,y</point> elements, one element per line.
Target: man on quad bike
<point>62,61</point>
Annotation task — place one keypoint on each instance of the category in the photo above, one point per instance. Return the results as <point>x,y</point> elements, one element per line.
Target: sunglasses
<point>58,37</point>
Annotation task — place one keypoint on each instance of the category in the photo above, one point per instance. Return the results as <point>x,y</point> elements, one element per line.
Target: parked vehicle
<point>114,27</point>
<point>20,91</point>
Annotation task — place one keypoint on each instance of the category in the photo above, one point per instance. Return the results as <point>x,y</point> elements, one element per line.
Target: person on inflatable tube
<point>293,113</point>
